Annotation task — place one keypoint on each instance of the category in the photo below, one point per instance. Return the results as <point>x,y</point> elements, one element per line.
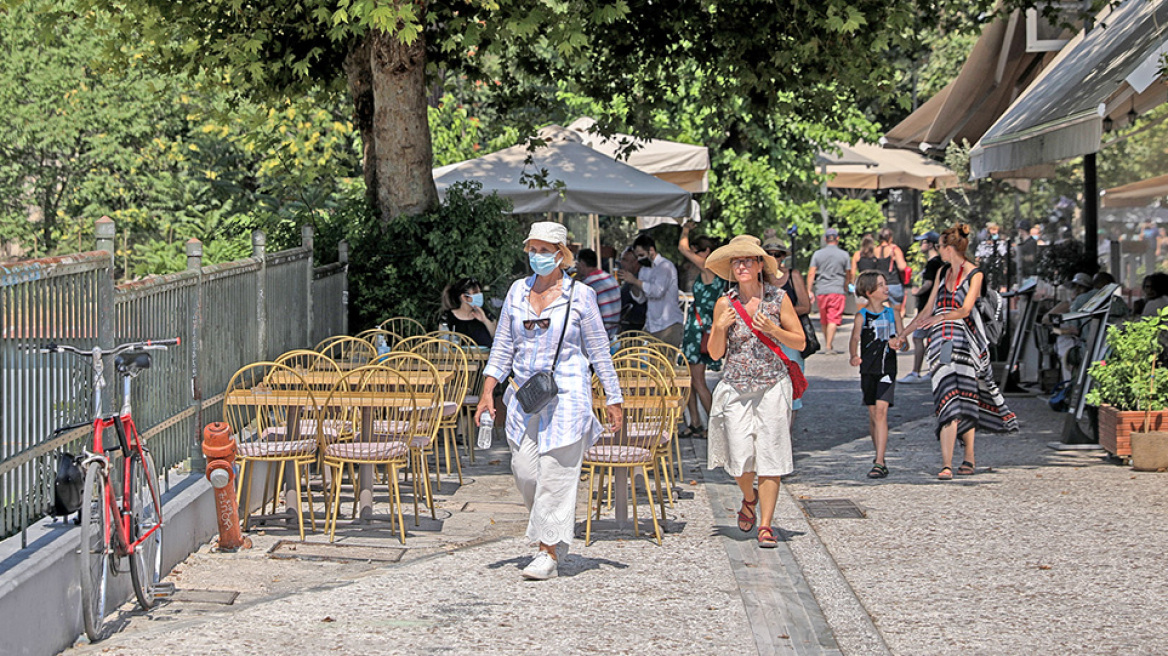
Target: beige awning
<point>995,73</point>
<point>1101,74</point>
<point>685,165</point>
<point>894,168</point>
<point>1136,194</point>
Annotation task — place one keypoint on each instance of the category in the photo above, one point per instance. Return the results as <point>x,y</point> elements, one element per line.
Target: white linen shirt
<point>522,353</point>
<point>660,286</point>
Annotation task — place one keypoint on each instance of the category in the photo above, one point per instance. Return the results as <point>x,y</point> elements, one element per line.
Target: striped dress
<point>964,389</point>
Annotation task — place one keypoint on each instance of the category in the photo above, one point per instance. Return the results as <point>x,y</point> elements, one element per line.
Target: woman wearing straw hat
<point>550,324</point>
<point>750,435</point>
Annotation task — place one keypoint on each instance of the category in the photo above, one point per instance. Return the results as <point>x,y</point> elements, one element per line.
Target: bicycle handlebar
<point>148,345</point>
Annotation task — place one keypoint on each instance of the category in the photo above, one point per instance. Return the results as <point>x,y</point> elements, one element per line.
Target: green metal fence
<point>227,315</point>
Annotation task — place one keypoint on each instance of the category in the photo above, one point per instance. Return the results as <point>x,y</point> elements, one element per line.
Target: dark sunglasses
<point>530,324</point>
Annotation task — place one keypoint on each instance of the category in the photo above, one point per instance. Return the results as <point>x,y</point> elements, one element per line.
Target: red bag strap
<point>761,337</point>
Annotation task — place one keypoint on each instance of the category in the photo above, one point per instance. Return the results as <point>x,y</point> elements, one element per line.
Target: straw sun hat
<point>552,233</point>
<point>740,246</point>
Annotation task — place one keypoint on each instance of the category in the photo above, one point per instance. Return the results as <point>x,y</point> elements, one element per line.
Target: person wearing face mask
<point>657,282</point>
<point>550,323</point>
<point>632,315</point>
<point>463,302</point>
<point>993,254</point>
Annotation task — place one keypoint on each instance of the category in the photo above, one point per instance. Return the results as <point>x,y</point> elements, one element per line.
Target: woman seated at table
<point>463,304</point>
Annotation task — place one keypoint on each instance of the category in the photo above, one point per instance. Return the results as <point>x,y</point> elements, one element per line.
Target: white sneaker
<point>544,567</point>
<point>911,378</point>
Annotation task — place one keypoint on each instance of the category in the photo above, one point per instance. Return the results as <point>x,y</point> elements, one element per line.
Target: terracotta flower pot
<point>1116,427</point>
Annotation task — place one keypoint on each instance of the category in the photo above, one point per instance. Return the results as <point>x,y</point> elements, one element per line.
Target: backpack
<point>993,312</point>
<point>67,489</point>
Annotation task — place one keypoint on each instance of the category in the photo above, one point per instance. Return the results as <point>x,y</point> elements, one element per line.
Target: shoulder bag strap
<point>567,319</point>
<point>761,337</point>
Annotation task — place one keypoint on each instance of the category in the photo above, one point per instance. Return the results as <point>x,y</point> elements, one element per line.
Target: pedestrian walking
<point>656,282</point>
<point>750,419</point>
<point>933,264</point>
<point>873,346</point>
<point>965,396</point>
<point>791,282</point>
<point>550,325</point>
<point>632,316</point>
<point>707,288</point>
<point>828,276</point>
<point>608,293</point>
<point>891,264</point>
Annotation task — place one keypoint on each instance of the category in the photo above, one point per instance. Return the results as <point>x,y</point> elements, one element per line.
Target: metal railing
<point>227,315</point>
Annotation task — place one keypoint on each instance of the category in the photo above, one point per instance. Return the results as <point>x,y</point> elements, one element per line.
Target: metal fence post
<point>306,240</point>
<point>343,258</point>
<point>194,249</point>
<point>259,242</point>
<point>105,233</point>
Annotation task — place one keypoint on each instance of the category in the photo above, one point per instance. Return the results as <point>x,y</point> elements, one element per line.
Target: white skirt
<point>751,432</point>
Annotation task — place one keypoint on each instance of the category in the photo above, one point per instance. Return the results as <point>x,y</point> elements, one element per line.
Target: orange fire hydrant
<point>219,448</point>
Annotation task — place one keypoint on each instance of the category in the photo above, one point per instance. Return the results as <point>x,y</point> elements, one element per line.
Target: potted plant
<point>1128,385</point>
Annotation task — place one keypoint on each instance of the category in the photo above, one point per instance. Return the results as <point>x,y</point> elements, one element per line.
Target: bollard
<point>219,448</point>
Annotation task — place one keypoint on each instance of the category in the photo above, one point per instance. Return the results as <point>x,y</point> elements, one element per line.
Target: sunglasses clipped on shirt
<point>531,324</point>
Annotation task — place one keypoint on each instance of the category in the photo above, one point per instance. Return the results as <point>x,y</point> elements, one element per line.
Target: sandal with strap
<point>946,474</point>
<point>879,470</point>
<point>766,538</point>
<point>966,468</point>
<point>746,521</point>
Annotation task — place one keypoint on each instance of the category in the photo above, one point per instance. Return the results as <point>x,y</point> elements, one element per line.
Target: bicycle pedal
<point>164,590</point>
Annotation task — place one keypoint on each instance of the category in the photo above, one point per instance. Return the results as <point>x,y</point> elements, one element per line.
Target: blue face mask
<point>542,263</point>
<point>476,299</point>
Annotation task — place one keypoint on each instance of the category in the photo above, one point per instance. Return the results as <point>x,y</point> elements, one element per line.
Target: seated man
<point>1082,288</point>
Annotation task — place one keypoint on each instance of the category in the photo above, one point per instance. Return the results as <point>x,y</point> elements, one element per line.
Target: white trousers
<point>548,483</point>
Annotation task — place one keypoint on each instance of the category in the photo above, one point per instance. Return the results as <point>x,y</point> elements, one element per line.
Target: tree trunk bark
<point>360,76</point>
<point>403,182</point>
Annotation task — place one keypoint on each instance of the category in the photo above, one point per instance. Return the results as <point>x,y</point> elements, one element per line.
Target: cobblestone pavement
<point>1042,551</point>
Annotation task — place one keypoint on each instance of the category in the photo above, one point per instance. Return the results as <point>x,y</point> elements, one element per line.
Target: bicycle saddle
<point>129,364</point>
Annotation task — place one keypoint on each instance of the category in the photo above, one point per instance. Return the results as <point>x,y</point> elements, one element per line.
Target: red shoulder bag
<point>798,380</point>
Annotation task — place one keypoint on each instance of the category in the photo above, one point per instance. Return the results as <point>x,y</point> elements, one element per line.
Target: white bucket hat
<point>553,233</point>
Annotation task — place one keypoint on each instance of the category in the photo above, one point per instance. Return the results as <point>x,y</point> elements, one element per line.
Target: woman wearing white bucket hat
<point>550,324</point>
<point>750,421</point>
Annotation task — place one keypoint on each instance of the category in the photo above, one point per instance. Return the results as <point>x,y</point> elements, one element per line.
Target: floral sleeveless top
<point>750,365</point>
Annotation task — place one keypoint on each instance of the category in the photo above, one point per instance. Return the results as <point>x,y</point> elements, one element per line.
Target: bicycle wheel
<point>146,513</point>
<point>94,552</point>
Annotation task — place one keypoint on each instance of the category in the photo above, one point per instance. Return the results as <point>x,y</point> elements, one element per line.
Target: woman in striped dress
<point>965,395</point>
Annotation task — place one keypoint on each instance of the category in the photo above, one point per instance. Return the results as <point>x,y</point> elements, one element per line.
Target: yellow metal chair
<point>653,361</point>
<point>645,412</point>
<point>348,352</point>
<point>267,420</point>
<point>447,356</point>
<point>388,408</point>
<point>381,340</point>
<point>428,385</point>
<point>403,327</point>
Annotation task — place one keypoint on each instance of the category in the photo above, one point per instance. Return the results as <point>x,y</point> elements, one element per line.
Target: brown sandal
<point>946,474</point>
<point>746,521</point>
<point>966,468</point>
<point>766,538</point>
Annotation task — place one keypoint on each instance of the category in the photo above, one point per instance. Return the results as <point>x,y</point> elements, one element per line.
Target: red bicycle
<point>118,518</point>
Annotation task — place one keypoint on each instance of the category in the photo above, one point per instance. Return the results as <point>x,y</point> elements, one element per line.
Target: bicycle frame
<point>130,444</point>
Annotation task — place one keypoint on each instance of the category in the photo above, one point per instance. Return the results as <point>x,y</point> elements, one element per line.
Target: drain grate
<point>832,509</point>
<point>288,549</point>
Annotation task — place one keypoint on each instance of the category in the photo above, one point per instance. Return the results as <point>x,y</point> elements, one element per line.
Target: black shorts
<point>878,387</point>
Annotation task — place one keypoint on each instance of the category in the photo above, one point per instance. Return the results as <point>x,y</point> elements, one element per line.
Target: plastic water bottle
<point>486,430</point>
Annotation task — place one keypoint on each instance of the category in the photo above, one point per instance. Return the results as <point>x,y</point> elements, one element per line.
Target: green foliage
<point>1129,378</point>
<point>400,269</point>
<point>454,133</point>
<point>1060,261</point>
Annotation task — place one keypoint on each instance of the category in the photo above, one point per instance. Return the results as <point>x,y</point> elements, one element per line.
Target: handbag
<point>540,389</point>
<point>812,346</point>
<point>798,380</point>
<point>704,344</point>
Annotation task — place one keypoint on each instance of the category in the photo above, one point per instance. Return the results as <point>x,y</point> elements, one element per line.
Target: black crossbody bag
<point>540,389</point>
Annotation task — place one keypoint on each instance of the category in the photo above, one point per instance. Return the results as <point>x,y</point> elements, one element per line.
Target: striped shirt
<point>608,297</point>
<point>522,353</point>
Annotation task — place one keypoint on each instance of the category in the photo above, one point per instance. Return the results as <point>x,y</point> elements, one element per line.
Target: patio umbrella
<point>582,180</point>
<point>685,165</point>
